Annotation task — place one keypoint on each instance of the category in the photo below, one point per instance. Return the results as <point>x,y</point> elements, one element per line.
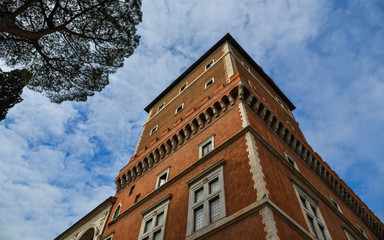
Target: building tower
<point>222,157</point>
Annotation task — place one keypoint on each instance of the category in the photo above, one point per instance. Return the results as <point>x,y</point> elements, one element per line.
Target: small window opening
<point>131,191</point>
<point>162,179</point>
<point>209,83</point>
<point>137,198</point>
<point>179,108</point>
<point>160,108</point>
<point>206,148</point>
<point>183,87</point>
<point>154,130</point>
<point>117,211</point>
<point>209,65</point>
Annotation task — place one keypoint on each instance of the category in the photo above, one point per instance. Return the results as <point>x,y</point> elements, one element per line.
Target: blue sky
<point>58,162</point>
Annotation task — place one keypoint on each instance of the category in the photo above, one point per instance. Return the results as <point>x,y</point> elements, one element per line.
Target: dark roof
<point>237,46</point>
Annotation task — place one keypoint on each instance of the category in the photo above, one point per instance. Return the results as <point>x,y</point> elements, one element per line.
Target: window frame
<point>210,84</point>
<point>165,171</point>
<point>161,107</point>
<point>316,225</point>
<point>153,130</point>
<point>131,190</point>
<point>204,143</point>
<point>335,203</point>
<point>181,106</point>
<point>202,181</point>
<point>151,214</point>
<point>291,160</point>
<point>361,229</point>
<point>116,212</point>
<point>137,198</point>
<point>182,88</point>
<point>210,64</point>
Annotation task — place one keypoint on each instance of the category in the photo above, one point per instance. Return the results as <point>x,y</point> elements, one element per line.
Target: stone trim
<point>229,67</point>
<point>243,115</point>
<point>256,169</point>
<point>270,224</point>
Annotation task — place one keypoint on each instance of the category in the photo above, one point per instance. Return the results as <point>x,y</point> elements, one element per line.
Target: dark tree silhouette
<point>69,46</point>
<point>11,88</point>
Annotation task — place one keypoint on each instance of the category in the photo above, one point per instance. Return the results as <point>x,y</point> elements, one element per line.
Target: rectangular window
<point>131,191</point>
<point>183,87</point>
<point>291,161</point>
<point>206,199</point>
<point>154,219</point>
<point>153,130</point>
<point>137,198</point>
<point>162,177</point>
<point>334,202</point>
<point>179,108</point>
<point>313,216</point>
<point>361,229</point>
<point>209,83</point>
<point>209,65</point>
<point>206,146</point>
<point>160,108</point>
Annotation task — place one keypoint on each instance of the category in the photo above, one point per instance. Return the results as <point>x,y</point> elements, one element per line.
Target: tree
<point>69,46</point>
<point>11,88</point>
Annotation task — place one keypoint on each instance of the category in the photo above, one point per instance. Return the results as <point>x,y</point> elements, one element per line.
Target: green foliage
<point>70,47</point>
<point>11,88</point>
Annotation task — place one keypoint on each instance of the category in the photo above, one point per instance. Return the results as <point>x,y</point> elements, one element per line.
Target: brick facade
<point>248,122</point>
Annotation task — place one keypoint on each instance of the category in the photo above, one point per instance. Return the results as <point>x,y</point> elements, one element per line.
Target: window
<point>291,161</point>
<point>206,198</point>
<point>131,191</point>
<point>361,229</point>
<point>137,198</point>
<point>209,65</point>
<point>350,236</point>
<point>206,146</point>
<point>154,218</point>
<point>154,130</point>
<point>160,108</point>
<point>183,87</point>
<point>246,67</point>
<point>334,202</point>
<point>209,83</point>
<point>313,216</point>
<point>162,177</point>
<point>179,108</point>
<point>116,213</point>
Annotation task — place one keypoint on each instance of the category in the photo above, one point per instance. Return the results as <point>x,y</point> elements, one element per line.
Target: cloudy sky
<point>58,162</point>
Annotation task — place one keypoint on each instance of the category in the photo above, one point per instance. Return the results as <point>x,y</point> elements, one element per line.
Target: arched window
<point>117,211</point>
<point>88,235</point>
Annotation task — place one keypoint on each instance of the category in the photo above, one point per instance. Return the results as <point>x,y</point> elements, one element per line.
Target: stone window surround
<point>215,171</point>
<point>153,130</point>
<point>161,107</point>
<point>210,64</point>
<point>165,171</point>
<point>302,192</point>
<point>116,212</point>
<point>182,88</point>
<point>289,157</point>
<point>335,203</point>
<point>181,107</point>
<point>151,212</point>
<point>209,83</point>
<point>210,138</point>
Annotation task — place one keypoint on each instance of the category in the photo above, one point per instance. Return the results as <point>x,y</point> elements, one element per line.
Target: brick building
<point>222,157</point>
